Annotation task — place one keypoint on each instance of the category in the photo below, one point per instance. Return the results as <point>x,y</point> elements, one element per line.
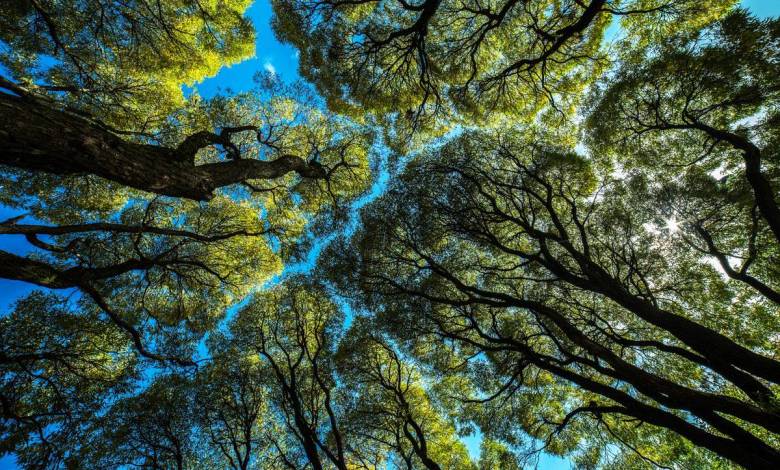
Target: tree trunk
<point>36,136</point>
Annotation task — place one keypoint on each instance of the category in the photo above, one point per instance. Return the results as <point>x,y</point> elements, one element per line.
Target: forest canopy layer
<point>475,234</point>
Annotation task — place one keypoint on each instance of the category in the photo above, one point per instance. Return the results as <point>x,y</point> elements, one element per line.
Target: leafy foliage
<point>468,62</point>
<point>125,61</point>
<point>576,254</point>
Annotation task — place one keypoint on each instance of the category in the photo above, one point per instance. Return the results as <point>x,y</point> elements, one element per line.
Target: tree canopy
<point>539,228</point>
<point>468,62</point>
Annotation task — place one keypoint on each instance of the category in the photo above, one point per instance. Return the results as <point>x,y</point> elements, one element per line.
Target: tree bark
<point>762,190</point>
<point>42,274</point>
<point>36,136</point>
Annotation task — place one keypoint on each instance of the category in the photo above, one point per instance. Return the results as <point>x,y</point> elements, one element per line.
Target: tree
<point>524,254</point>
<point>390,407</point>
<point>293,330</point>
<point>482,60</point>
<point>98,113</point>
<point>584,262</point>
<point>715,94</point>
<point>148,430</point>
<point>39,136</point>
<point>123,62</point>
<point>231,394</point>
<point>172,268</point>
<point>57,368</point>
<point>84,130</point>
<point>85,134</point>
<point>341,399</point>
<point>69,167</point>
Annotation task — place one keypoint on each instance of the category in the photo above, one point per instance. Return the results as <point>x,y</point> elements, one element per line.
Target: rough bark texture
<point>39,137</point>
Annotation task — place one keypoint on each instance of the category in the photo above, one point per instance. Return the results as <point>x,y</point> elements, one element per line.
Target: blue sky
<point>281,59</point>
<point>270,55</point>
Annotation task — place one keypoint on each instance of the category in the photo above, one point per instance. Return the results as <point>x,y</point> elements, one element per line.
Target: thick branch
<point>36,136</point>
<point>25,229</point>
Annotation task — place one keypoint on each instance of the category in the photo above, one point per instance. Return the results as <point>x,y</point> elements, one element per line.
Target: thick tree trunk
<point>36,136</point>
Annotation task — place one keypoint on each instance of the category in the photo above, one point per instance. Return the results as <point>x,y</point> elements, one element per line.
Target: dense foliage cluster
<point>577,252</point>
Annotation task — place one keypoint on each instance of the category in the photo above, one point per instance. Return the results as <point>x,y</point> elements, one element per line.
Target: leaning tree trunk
<point>37,136</point>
